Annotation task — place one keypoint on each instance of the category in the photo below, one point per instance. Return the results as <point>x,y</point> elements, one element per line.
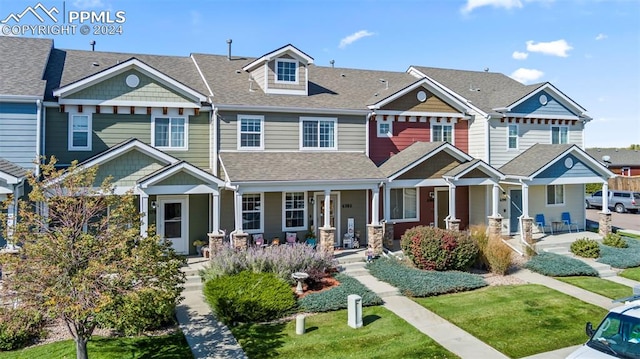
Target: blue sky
<point>588,49</point>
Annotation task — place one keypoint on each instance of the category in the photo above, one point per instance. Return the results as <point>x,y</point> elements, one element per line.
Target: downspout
<point>213,159</point>
<point>39,137</point>
<point>487,141</point>
<point>366,138</point>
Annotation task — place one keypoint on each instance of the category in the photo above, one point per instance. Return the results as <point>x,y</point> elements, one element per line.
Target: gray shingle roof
<point>299,166</point>
<point>408,156</point>
<point>12,168</point>
<point>23,65</point>
<point>491,89</point>
<point>617,156</point>
<point>533,159</point>
<point>461,168</point>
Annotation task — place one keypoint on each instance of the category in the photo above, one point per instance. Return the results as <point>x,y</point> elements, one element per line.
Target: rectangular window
<point>442,133</point>
<point>385,129</point>
<point>286,71</point>
<point>512,137</point>
<point>170,132</point>
<point>252,212</point>
<point>559,134</point>
<point>318,133</point>
<point>79,132</point>
<point>625,171</point>
<point>555,194</point>
<point>250,132</point>
<point>294,211</point>
<point>404,203</point>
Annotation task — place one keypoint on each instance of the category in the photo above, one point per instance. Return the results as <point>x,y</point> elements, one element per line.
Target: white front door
<point>173,221</point>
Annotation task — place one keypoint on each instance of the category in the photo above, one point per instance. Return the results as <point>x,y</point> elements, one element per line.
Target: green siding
<point>115,88</point>
<point>180,178</point>
<point>128,168</point>
<point>353,205</point>
<point>198,219</point>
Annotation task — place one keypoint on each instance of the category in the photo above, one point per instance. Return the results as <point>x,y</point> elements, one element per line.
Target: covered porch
<point>12,178</point>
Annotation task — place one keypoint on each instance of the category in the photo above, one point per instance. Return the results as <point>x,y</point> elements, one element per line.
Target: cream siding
<point>477,205</point>
<point>477,138</point>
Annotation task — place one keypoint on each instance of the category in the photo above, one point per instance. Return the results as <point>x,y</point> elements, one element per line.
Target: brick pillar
<point>454,224</point>
<point>604,227</point>
<point>495,227</point>
<point>327,239</point>
<point>215,243</point>
<point>374,237</point>
<point>527,230</point>
<point>388,235</point>
<point>240,240</point>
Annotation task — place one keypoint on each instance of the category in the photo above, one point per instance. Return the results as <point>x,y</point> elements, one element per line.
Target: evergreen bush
<point>621,257</point>
<point>614,240</point>
<point>585,247</point>
<point>433,248</point>
<point>19,327</point>
<point>556,265</point>
<point>336,297</point>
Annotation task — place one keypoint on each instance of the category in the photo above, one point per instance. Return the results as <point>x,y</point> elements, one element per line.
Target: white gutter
<point>487,141</point>
<point>213,159</point>
<point>20,98</point>
<point>39,137</point>
<point>332,111</point>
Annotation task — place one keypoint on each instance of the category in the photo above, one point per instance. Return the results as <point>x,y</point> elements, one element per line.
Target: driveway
<point>620,220</point>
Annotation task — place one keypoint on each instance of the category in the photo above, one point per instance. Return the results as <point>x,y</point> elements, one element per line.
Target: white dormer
<point>283,71</point>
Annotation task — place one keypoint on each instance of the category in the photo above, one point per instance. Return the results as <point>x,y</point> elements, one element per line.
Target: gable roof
<point>617,156</point>
<point>306,59</point>
<point>417,153</point>
<point>126,146</point>
<point>11,172</point>
<point>464,168</point>
<point>27,79</point>
<point>167,171</point>
<point>558,95</point>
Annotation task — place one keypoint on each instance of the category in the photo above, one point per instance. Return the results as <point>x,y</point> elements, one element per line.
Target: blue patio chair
<point>541,223</point>
<point>566,220</point>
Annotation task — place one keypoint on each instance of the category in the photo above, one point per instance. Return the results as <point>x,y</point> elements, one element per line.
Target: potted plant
<point>198,244</point>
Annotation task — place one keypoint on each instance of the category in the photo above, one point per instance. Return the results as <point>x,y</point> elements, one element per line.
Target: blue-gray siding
<point>21,108</point>
<point>533,106</point>
<point>559,170</point>
<point>18,133</point>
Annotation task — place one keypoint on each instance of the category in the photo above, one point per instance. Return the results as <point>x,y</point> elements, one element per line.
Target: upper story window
<point>79,132</point>
<point>170,132</point>
<point>512,137</point>
<point>250,132</point>
<point>385,128</point>
<point>555,195</point>
<point>442,133</point>
<point>286,71</point>
<point>625,171</point>
<point>559,134</point>
<point>318,133</point>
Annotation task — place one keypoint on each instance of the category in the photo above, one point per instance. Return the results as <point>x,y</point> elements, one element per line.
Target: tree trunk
<point>81,348</point>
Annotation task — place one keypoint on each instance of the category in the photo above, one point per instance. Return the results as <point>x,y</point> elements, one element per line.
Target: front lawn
<point>172,346</point>
<point>631,273</point>
<point>600,286</point>
<point>383,335</point>
<point>518,320</point>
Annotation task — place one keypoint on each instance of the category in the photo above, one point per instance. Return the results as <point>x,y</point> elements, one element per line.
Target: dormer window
<point>286,71</point>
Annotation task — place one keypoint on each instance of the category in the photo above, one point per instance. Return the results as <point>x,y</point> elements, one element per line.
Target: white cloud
<point>474,4</point>
<point>601,37</point>
<point>554,48</point>
<point>353,38</point>
<point>520,55</point>
<point>526,75</point>
<point>88,4</point>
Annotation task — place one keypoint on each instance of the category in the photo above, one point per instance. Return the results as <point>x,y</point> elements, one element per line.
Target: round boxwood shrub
<point>614,240</point>
<point>249,297</point>
<point>433,248</point>
<point>19,327</point>
<point>585,247</point>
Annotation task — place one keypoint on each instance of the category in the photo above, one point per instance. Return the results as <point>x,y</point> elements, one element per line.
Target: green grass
<point>600,286</point>
<point>518,320</point>
<point>628,234</point>
<point>383,335</point>
<point>172,346</point>
<point>631,273</point>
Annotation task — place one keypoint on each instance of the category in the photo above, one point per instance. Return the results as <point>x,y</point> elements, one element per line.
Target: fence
<point>625,183</point>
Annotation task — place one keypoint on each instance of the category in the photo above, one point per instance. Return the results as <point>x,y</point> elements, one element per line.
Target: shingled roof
<point>23,65</point>
<point>409,156</point>
<point>12,169</point>
<point>617,156</point>
<point>533,159</point>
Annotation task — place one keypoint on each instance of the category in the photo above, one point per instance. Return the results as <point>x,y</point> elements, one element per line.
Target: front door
<point>515,210</point>
<point>333,215</point>
<point>442,207</point>
<point>173,222</point>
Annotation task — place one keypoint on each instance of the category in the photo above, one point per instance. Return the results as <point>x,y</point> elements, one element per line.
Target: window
<point>512,137</point>
<point>385,129</point>
<point>252,212</point>
<point>170,132</point>
<point>555,194</point>
<point>404,203</point>
<point>625,171</point>
<point>250,132</point>
<point>318,133</point>
<point>559,134</point>
<point>294,211</point>
<point>79,132</point>
<point>442,133</point>
<point>286,70</point>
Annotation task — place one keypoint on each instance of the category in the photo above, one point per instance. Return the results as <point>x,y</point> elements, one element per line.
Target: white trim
<point>557,95</point>
<point>159,104</point>
<point>305,110</point>
<point>170,117</point>
<point>275,71</point>
<point>20,98</point>
<point>541,116</point>
<point>403,220</point>
<point>446,146</point>
<point>10,179</point>
<point>261,210</point>
<point>517,136</point>
<point>319,196</point>
<point>305,210</point>
<point>453,132</point>
<point>137,144</point>
<point>183,189</point>
<point>450,115</point>
<point>546,196</point>
<point>430,86</point>
<point>71,115</point>
<point>206,83</point>
<point>285,91</point>
<point>559,134</point>
<point>438,192</point>
<point>306,59</point>
<point>581,155</point>
<point>626,169</point>
<point>184,220</point>
<point>379,122</point>
<point>318,120</point>
<point>186,167</point>
<point>241,117</point>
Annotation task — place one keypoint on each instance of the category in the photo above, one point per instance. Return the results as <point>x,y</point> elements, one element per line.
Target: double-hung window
<point>252,212</point>
<point>555,195</point>
<point>294,211</point>
<point>318,133</point>
<point>79,132</point>
<point>404,203</point>
<point>170,132</point>
<point>559,134</point>
<point>286,71</point>
<point>442,133</point>
<point>250,132</point>
<point>512,137</point>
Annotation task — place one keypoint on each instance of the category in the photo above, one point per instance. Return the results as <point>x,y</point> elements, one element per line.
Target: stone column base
<point>454,224</point>
<point>387,235</point>
<point>604,227</point>
<point>215,243</point>
<point>495,227</point>
<point>527,230</point>
<point>327,239</point>
<point>240,240</point>
<point>374,237</point>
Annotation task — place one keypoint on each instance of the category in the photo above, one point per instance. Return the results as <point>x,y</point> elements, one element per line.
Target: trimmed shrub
<point>481,237</point>
<point>621,257</point>
<point>433,248</point>
<point>279,260</point>
<point>336,297</point>
<point>585,247</point>
<point>420,283</point>
<point>614,240</point>
<point>499,256</point>
<point>556,265</point>
<point>20,327</point>
<point>249,297</point>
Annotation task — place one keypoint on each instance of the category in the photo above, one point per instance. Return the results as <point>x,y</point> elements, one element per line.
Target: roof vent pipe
<point>229,41</point>
<point>93,45</point>
<point>332,62</point>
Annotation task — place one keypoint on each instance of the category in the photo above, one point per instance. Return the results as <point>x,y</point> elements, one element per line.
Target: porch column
<point>327,233</point>
<point>238,210</point>
<point>604,223</point>
<point>375,206</point>
<point>525,200</point>
<point>387,203</point>
<point>526,222</point>
<point>495,201</point>
<point>605,198</point>
<point>215,208</point>
<point>495,219</point>
<point>452,223</point>
<point>144,208</point>
<point>327,209</point>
